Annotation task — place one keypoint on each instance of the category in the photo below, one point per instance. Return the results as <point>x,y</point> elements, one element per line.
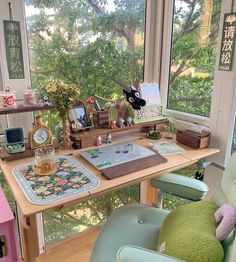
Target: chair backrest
<point>227,194</point>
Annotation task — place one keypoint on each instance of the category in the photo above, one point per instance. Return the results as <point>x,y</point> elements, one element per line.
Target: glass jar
<point>30,97</point>
<point>44,163</point>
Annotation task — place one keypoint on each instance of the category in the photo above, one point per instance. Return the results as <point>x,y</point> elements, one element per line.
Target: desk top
<point>174,162</point>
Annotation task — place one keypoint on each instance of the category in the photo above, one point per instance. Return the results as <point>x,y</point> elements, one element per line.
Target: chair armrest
<point>138,254</point>
<point>181,186</point>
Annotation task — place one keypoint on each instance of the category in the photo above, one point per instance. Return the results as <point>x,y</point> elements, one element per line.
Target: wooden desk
<point>28,211</point>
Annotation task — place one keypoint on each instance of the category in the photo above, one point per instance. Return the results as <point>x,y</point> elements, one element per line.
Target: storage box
<point>14,139</point>
<point>193,139</point>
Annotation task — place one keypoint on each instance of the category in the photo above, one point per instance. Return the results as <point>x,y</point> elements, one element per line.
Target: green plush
<point>188,233</point>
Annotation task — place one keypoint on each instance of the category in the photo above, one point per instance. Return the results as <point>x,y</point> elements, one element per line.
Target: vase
<point>66,142</point>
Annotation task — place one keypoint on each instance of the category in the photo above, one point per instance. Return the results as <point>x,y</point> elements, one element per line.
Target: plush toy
<point>133,97</point>
<point>226,215</point>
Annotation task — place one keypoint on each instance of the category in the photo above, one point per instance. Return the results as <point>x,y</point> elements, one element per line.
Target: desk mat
<point>70,179</point>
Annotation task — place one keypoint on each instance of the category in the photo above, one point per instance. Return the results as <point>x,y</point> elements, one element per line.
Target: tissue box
<point>193,139</point>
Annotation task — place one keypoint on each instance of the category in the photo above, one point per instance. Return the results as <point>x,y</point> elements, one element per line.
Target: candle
<point>30,97</point>
<point>7,98</point>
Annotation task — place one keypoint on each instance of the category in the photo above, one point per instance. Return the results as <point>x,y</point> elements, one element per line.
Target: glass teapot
<point>44,163</point>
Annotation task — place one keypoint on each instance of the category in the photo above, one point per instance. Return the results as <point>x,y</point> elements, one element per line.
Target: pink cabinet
<point>8,242</point>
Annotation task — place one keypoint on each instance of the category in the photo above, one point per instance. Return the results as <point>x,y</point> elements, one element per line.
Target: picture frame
<point>152,111</point>
<point>78,116</point>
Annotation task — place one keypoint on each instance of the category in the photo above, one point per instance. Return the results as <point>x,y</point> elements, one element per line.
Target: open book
<point>166,148</point>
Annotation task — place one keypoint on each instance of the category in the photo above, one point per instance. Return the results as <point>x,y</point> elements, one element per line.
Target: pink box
<point>9,250</point>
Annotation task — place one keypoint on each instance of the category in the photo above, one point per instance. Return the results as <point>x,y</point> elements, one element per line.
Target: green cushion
<point>188,233</point>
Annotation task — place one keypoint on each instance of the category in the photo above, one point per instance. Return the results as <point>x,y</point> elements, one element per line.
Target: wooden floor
<point>77,249</point>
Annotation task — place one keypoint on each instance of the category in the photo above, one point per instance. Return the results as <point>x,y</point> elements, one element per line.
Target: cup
<point>44,163</point>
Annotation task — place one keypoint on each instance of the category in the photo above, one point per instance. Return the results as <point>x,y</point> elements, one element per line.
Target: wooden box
<point>100,119</point>
<point>193,139</point>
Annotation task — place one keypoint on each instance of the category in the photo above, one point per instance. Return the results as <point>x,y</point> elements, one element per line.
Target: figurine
<point>121,122</point>
<point>46,100</point>
<point>129,121</point>
<point>199,176</point>
<point>99,141</point>
<point>108,139</point>
<point>153,134</point>
<point>113,124</point>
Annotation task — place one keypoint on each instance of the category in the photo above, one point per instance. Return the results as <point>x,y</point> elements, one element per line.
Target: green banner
<point>14,53</point>
<point>227,42</point>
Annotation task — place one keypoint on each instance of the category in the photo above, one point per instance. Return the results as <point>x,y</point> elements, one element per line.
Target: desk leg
<point>148,194</point>
<point>29,237</point>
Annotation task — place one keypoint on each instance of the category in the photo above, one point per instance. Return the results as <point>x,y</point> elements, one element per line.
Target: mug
<point>44,163</point>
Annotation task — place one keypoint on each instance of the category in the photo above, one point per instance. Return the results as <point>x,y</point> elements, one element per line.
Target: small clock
<point>40,134</point>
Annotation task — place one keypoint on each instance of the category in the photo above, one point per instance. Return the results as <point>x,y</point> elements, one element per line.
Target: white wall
<point>19,85</point>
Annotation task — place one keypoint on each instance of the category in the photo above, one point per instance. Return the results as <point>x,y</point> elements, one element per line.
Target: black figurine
<point>133,97</point>
<point>198,176</point>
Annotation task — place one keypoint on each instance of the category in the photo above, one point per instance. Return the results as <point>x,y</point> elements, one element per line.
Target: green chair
<point>131,233</point>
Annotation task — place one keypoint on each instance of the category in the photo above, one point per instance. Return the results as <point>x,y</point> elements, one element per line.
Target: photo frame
<point>79,119</point>
<point>153,109</point>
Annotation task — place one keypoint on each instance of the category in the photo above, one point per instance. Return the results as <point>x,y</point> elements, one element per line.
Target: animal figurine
<point>199,176</point>
<point>226,215</point>
<point>133,97</point>
<point>108,139</point>
<point>121,122</point>
<point>113,124</point>
<point>99,141</point>
<point>46,100</point>
<point>129,121</point>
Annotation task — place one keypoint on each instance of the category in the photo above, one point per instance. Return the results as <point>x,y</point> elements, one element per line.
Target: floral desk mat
<point>70,179</point>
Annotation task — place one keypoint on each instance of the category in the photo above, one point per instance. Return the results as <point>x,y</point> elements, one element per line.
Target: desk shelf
<point>23,109</point>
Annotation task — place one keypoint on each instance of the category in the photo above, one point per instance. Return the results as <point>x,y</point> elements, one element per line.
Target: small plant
<point>63,95</point>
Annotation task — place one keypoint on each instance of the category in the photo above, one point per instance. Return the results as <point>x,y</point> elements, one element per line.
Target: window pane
<point>98,45</point>
<point>234,139</point>
<point>194,39</point>
<point>76,218</point>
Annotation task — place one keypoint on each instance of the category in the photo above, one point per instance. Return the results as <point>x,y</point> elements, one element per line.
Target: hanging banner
<point>227,42</point>
<point>13,45</point>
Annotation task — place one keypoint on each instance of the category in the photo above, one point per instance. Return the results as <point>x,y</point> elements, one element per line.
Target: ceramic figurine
<point>129,121</point>
<point>46,100</point>
<point>113,124</point>
<point>99,141</point>
<point>121,122</point>
<point>109,139</point>
<point>153,134</point>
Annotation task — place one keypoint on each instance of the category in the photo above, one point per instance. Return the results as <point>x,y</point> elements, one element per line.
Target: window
<point>98,45</point>
<point>234,139</point>
<point>194,38</point>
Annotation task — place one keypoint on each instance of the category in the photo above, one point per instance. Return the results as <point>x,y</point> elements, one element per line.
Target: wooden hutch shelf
<point>103,131</point>
<point>88,138</point>
<point>23,109</point>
